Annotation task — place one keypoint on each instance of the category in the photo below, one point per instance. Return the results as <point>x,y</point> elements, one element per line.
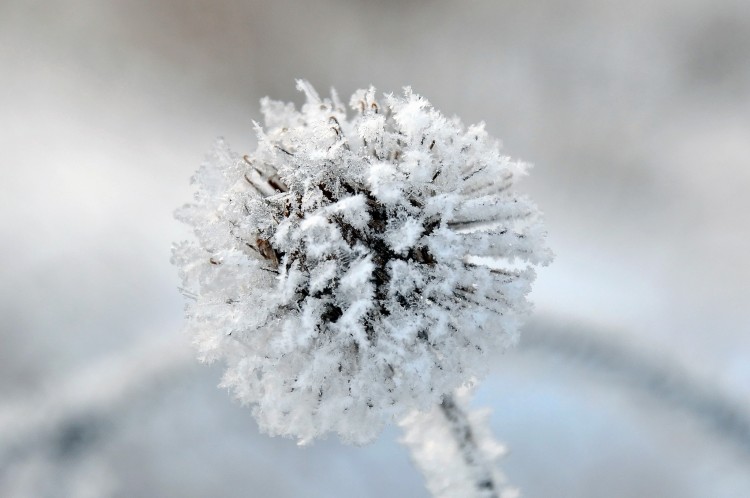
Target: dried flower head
<point>350,270</point>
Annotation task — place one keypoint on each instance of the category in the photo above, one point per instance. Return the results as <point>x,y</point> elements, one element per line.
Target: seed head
<point>352,269</point>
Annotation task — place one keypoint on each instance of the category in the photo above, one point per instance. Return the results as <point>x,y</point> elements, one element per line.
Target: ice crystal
<point>353,269</point>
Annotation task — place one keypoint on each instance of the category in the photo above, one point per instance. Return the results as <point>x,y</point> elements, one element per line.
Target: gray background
<point>634,376</point>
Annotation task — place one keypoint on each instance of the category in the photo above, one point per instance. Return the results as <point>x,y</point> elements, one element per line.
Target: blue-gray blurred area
<point>633,377</point>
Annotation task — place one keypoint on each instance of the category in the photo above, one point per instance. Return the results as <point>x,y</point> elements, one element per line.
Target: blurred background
<point>633,376</point>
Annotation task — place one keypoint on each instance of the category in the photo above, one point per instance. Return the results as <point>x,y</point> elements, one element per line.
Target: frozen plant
<point>354,269</point>
<point>455,450</point>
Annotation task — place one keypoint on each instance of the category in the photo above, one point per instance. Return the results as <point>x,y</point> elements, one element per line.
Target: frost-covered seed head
<point>350,270</point>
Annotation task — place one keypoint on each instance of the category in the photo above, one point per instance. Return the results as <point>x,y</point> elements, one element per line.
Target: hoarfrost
<point>352,270</point>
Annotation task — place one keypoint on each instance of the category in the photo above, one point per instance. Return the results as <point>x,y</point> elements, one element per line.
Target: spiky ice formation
<point>353,269</point>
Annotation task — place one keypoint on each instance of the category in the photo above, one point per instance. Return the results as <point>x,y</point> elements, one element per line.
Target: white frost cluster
<point>351,270</point>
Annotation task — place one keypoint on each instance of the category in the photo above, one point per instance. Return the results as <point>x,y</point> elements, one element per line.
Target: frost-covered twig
<point>468,447</point>
<point>455,450</point>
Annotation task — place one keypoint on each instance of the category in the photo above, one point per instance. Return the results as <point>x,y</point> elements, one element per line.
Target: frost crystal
<point>351,270</point>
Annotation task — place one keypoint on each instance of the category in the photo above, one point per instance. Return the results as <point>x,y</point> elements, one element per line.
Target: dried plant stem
<point>455,450</point>
<point>460,428</point>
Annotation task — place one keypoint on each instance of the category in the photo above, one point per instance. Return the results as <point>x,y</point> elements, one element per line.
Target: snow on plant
<point>351,270</point>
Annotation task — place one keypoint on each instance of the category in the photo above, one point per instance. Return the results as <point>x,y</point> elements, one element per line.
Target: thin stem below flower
<point>461,430</point>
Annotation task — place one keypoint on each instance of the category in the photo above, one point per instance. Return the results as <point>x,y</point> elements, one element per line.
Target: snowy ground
<point>634,379</point>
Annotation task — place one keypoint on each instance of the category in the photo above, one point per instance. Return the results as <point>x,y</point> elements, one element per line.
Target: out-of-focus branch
<point>74,410</point>
<point>69,412</point>
<point>665,382</point>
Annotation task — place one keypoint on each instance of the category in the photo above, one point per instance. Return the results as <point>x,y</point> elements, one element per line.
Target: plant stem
<point>460,428</point>
<point>454,449</point>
